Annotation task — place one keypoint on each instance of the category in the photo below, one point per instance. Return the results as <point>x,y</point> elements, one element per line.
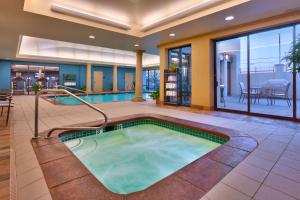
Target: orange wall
<point>203,55</point>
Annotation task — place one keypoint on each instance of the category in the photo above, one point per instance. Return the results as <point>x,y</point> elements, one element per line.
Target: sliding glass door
<point>253,76</point>
<point>271,81</point>
<point>231,74</point>
<point>297,85</point>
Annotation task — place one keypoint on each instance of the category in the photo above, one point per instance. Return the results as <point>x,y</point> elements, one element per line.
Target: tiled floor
<point>270,172</point>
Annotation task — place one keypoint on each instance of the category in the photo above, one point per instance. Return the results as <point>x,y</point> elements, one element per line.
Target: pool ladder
<point>98,129</point>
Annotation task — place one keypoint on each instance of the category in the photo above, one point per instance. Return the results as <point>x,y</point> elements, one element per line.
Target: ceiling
<point>45,49</point>
<point>14,21</point>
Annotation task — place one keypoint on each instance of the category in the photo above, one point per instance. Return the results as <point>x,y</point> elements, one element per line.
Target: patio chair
<point>244,92</point>
<point>254,93</point>
<point>282,94</point>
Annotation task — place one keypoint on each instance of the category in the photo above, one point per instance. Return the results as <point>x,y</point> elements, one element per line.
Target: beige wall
<point>203,55</point>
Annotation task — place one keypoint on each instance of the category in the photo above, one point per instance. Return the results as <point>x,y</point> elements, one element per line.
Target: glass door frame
<point>180,64</point>
<point>248,112</point>
<point>28,65</point>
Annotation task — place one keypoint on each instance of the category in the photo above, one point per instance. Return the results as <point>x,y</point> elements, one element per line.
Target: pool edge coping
<point>237,145</point>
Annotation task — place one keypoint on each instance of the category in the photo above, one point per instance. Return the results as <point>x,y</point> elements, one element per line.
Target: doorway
<point>98,81</point>
<point>24,76</point>
<point>129,81</point>
<point>181,58</point>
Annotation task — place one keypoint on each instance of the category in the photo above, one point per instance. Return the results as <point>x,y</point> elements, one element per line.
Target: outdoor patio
<point>279,108</point>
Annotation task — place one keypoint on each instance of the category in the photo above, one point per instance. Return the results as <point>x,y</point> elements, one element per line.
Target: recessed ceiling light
<point>92,37</point>
<point>172,34</point>
<point>229,18</point>
<point>136,45</point>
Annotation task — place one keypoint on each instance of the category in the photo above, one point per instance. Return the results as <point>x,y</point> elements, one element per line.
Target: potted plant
<point>173,67</point>
<point>293,57</point>
<point>83,88</point>
<point>36,87</point>
<point>155,96</point>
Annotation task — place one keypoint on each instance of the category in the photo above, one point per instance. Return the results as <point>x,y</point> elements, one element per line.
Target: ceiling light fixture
<point>92,37</point>
<point>180,14</point>
<point>88,16</point>
<point>172,34</point>
<point>136,45</point>
<point>229,18</point>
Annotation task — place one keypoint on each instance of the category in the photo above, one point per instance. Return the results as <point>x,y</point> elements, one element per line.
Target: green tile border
<point>181,129</point>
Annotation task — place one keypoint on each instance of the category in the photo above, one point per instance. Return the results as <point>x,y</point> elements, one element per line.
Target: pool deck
<point>269,172</point>
<point>68,178</point>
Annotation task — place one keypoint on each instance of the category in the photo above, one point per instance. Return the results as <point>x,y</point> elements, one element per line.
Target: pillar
<point>89,77</point>
<point>115,79</point>
<point>139,76</point>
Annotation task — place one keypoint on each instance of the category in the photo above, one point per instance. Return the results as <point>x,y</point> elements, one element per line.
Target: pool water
<point>97,98</point>
<point>131,159</point>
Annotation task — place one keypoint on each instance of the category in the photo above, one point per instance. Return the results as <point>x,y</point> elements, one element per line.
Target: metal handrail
<point>43,91</point>
<point>70,88</point>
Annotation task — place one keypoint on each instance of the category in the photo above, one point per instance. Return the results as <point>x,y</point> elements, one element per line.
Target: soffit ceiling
<point>15,22</point>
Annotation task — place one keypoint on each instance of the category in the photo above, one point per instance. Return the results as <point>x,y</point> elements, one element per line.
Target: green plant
<point>293,57</point>
<point>173,67</point>
<point>155,95</point>
<point>83,88</point>
<point>36,87</point>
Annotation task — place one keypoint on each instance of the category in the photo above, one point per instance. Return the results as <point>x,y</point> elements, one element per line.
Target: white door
<point>98,81</point>
<point>129,81</point>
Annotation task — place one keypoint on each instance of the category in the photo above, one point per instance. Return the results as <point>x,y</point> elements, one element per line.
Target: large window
<point>150,80</point>
<point>24,76</point>
<point>252,75</point>
<point>271,81</point>
<point>231,69</point>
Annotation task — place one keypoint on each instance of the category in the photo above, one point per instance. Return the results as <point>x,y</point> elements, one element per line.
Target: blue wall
<point>78,70</point>
<point>121,76</point>
<point>4,75</point>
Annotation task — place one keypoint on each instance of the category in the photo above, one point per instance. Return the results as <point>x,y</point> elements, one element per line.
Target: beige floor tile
<point>272,146</point>
<point>259,162</point>
<point>283,184</point>
<point>252,172</point>
<point>45,197</point>
<point>26,166</point>
<point>29,177</point>
<point>221,191</point>
<point>283,170</point>
<point>281,138</point>
<point>267,193</point>
<point>33,191</point>
<point>241,183</point>
<point>265,155</point>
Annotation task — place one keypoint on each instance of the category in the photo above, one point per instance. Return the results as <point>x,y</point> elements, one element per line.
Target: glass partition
<point>271,81</point>
<point>253,76</point>
<point>150,80</point>
<point>297,39</point>
<point>231,74</point>
<point>24,76</point>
